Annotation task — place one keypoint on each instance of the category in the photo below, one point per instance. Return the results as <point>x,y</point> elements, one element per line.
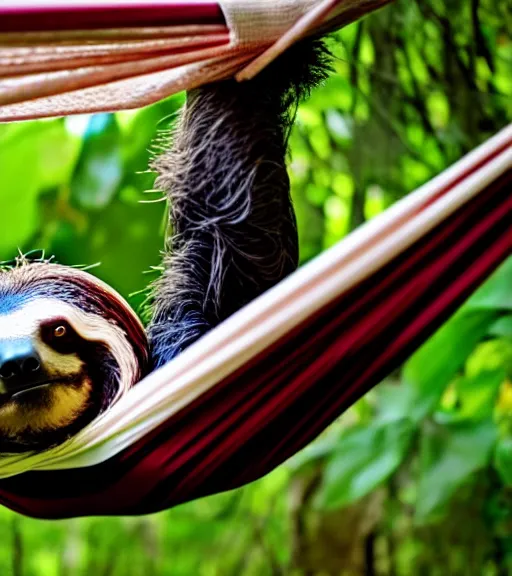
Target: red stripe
<point>15,18</point>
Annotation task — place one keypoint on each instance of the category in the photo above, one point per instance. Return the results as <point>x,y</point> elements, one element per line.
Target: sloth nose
<point>20,365</point>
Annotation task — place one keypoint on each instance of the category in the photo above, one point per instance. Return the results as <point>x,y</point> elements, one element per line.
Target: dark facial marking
<point>59,335</point>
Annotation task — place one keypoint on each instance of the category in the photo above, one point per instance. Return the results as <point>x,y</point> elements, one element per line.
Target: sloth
<point>70,345</point>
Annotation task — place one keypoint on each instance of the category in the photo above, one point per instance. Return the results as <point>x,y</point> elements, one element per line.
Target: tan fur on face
<point>65,405</point>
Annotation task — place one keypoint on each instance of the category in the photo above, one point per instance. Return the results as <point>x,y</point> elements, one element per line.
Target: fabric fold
<point>181,45</point>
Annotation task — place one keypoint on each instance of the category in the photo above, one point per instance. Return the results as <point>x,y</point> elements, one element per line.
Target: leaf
<point>343,185</point>
<point>449,456</point>
<point>58,156</point>
<point>99,170</point>
<point>396,402</point>
<point>317,195</point>
<point>503,459</point>
<point>336,220</point>
<point>490,355</point>
<point>27,165</point>
<point>364,459</point>
<point>320,142</point>
<point>439,109</point>
<point>476,396</point>
<point>496,293</point>
<point>502,327</point>
<point>434,365</point>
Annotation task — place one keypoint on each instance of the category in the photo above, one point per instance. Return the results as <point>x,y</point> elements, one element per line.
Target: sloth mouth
<point>23,391</point>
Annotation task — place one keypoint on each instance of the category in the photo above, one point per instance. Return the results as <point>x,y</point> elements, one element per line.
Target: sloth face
<point>69,348</point>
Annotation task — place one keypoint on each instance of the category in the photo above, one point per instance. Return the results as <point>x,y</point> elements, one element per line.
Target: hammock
<point>88,56</point>
<point>266,382</point>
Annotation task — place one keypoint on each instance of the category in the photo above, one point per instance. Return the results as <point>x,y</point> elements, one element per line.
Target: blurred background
<point>416,479</point>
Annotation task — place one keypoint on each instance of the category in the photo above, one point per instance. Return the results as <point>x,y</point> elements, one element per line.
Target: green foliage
<point>364,458</point>
<point>99,170</point>
<point>495,293</point>
<point>28,163</point>
<point>416,478</point>
<point>449,456</point>
<point>435,364</point>
<point>502,327</point>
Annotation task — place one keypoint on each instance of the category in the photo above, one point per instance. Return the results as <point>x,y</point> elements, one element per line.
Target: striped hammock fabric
<point>266,382</point>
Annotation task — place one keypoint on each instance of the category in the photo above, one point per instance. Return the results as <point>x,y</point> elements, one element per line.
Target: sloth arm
<point>233,230</point>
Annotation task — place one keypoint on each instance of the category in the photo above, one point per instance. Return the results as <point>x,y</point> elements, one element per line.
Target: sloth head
<point>69,347</point>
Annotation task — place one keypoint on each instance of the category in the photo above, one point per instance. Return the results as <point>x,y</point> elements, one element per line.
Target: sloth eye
<point>59,331</point>
<point>59,335</point>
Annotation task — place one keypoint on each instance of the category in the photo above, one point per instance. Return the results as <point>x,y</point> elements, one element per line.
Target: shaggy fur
<point>234,230</point>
